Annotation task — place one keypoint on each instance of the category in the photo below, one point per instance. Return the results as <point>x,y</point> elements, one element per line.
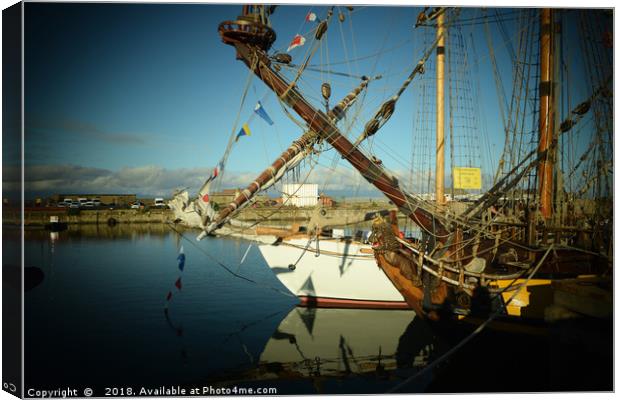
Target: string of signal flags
<point>258,110</point>
<point>244,131</point>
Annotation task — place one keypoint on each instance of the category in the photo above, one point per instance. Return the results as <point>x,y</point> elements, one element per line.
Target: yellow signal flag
<point>467,178</point>
<point>244,131</point>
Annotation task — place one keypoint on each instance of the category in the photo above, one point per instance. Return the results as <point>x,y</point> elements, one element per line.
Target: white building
<point>300,194</point>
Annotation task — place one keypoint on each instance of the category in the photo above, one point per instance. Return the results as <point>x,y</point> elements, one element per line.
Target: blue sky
<point>142,98</point>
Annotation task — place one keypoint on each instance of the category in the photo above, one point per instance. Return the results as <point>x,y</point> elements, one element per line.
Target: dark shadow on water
<point>527,356</point>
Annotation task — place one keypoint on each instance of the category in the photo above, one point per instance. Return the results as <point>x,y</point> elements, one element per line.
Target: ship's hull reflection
<point>322,342</point>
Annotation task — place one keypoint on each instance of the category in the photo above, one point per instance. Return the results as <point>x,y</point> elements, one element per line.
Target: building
<point>326,201</point>
<point>108,199</point>
<point>300,194</point>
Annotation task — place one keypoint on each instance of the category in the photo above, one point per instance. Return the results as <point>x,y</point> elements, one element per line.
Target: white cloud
<point>143,180</point>
<point>153,180</point>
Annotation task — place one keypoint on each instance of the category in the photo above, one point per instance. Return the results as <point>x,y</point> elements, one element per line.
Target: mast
<point>440,141</point>
<point>546,123</point>
<point>558,176</point>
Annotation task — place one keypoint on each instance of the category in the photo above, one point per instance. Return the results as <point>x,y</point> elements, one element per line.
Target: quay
<point>343,213</point>
<point>40,216</point>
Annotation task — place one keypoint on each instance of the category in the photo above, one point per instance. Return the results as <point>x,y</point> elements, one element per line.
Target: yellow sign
<point>467,178</point>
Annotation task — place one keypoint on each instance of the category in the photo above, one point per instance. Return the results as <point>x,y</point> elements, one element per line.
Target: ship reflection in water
<point>342,351</point>
<point>336,342</point>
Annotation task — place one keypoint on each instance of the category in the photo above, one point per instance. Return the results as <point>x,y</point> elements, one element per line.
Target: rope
<point>398,46</point>
<point>227,269</point>
<point>231,140</point>
<point>303,252</point>
<point>316,42</point>
<point>332,253</point>
<point>475,332</point>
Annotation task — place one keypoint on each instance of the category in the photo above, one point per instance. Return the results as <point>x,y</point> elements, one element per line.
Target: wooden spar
<point>270,173</point>
<point>545,168</point>
<point>256,59</point>
<point>440,141</point>
<point>298,146</point>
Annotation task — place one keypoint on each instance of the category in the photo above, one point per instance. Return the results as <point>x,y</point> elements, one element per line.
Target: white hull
<point>338,275</point>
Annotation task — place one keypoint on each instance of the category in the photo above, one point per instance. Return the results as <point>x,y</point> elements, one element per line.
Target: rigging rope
<point>226,268</point>
<point>231,139</point>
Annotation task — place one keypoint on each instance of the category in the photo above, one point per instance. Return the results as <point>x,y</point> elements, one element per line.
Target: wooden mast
<point>546,122</point>
<point>440,141</point>
<point>558,177</point>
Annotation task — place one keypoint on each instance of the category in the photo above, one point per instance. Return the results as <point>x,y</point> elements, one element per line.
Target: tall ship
<point>546,218</point>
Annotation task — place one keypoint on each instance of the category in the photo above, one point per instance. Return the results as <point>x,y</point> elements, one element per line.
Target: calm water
<point>97,319</point>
